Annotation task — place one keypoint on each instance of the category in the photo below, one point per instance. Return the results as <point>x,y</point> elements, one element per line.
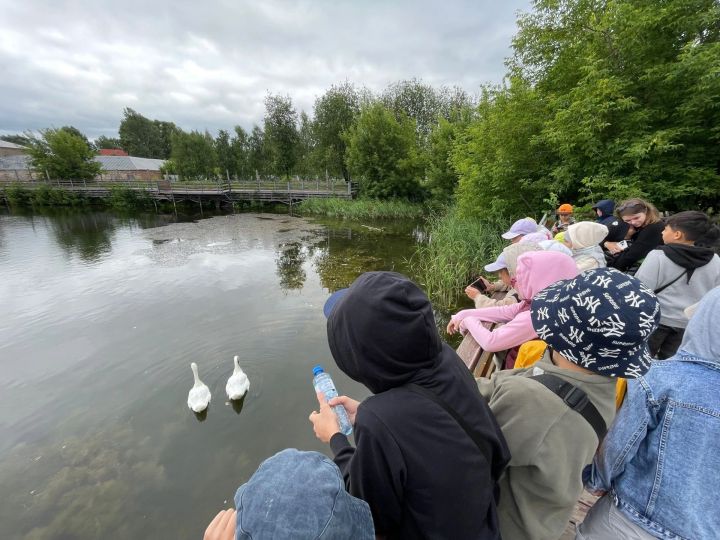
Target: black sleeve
<point>644,241</point>
<point>374,471</point>
<point>617,229</point>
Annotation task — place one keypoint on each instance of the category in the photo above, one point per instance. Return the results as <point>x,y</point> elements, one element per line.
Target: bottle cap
<point>318,369</point>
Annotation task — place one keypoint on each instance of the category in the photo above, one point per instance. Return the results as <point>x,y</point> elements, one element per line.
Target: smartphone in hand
<point>622,244</point>
<point>479,284</point>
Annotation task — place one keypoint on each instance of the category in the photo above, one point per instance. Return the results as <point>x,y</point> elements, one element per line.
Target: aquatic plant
<point>361,208</point>
<point>455,253</point>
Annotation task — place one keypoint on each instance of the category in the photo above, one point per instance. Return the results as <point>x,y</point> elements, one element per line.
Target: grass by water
<point>456,251</point>
<point>361,208</point>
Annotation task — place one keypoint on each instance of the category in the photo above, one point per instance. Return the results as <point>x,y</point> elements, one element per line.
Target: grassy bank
<point>456,251</point>
<point>121,198</point>
<point>361,208</point>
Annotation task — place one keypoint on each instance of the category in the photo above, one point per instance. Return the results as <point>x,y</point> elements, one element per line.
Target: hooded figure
<point>659,461</point>
<point>421,472</point>
<point>617,228</point>
<point>585,238</point>
<point>535,271</point>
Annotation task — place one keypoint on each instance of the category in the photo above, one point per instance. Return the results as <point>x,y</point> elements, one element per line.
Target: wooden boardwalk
<point>286,192</point>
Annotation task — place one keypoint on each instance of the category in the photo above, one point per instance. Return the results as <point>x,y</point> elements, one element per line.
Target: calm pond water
<point>101,317</point>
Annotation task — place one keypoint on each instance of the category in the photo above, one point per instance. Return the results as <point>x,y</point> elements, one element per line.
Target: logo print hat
<point>600,320</point>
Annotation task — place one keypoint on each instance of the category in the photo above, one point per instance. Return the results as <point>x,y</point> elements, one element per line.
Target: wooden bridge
<point>271,191</point>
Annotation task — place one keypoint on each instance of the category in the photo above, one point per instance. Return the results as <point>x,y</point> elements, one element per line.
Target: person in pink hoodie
<point>535,271</point>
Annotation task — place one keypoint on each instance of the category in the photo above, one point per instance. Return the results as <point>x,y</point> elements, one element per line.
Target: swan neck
<point>195,375</point>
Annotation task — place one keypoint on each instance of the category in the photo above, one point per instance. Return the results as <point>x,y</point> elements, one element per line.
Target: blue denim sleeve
<point>623,439</point>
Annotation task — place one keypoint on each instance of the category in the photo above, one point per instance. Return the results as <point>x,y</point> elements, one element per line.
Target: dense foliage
<point>605,99</point>
<point>602,99</point>
<point>62,154</point>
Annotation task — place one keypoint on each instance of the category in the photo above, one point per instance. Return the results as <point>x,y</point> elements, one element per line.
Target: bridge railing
<point>332,186</point>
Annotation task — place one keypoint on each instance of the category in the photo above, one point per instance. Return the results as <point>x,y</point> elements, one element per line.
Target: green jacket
<point>550,444</point>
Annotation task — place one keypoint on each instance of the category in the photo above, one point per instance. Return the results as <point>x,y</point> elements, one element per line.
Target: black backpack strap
<point>576,399</point>
<point>663,287</point>
<point>479,441</point>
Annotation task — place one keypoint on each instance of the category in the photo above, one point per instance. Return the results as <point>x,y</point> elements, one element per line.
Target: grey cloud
<point>210,65</point>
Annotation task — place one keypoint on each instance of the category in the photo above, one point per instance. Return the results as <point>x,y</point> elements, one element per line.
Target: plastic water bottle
<point>324,383</point>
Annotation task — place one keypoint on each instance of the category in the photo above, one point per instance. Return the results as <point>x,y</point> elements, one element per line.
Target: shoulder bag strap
<point>576,399</point>
<point>663,287</point>
<point>479,441</point>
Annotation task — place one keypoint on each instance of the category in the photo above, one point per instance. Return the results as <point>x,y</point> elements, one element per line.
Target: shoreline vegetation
<point>455,253</point>
<point>362,208</point>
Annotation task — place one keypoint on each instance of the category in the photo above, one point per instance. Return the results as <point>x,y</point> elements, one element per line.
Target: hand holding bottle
<point>350,405</point>
<point>325,421</point>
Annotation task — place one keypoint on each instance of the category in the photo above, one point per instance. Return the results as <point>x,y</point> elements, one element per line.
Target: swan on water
<point>238,383</point>
<point>199,395</point>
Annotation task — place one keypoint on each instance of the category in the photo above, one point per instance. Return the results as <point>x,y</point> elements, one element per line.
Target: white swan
<point>199,395</point>
<point>238,383</point>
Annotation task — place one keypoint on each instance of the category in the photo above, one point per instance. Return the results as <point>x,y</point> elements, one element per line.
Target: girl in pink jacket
<point>535,271</point>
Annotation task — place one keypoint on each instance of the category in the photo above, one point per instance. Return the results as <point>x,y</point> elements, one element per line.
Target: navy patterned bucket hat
<point>600,320</point>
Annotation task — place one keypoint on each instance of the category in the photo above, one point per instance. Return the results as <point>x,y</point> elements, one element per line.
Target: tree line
<point>608,98</point>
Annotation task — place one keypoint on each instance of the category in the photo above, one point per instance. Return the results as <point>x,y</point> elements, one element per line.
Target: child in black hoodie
<point>428,450</point>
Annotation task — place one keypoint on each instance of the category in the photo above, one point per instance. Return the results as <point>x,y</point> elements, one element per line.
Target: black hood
<point>606,206</point>
<point>382,332</point>
<point>689,257</point>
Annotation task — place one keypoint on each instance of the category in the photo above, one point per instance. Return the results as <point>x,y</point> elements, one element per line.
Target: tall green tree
<point>607,98</point>
<point>162,146</point>
<point>240,146</point>
<point>307,152</point>
<point>258,158</point>
<point>224,153</point>
<point>335,112</point>
<point>281,135</point>
<point>142,137</point>
<point>382,152</point>
<point>107,142</point>
<point>62,154</point>
<point>193,155</point>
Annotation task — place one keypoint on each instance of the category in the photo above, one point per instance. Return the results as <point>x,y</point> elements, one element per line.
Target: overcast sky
<point>209,64</point>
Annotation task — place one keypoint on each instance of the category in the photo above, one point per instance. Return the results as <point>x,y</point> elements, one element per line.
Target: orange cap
<point>565,208</point>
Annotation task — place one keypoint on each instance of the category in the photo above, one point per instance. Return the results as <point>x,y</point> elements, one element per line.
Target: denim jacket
<point>660,459</point>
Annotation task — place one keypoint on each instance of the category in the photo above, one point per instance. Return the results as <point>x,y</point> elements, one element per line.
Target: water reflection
<point>289,262</point>
<point>94,348</point>
<point>87,235</point>
<point>237,404</point>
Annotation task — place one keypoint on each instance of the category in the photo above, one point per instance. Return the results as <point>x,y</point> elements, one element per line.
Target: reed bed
<point>361,208</point>
<point>455,252</point>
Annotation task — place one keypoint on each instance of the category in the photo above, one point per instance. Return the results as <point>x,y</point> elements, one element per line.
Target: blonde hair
<point>635,206</point>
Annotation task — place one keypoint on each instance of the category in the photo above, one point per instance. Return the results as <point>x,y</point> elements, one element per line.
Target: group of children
<point>438,454</point>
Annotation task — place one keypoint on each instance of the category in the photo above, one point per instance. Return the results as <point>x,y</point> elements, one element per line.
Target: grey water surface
<point>100,319</point>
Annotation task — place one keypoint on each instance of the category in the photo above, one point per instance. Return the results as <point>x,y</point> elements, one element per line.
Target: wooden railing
<point>262,189</point>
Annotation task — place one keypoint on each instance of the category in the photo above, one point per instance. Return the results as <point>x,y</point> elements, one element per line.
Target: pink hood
<point>539,269</point>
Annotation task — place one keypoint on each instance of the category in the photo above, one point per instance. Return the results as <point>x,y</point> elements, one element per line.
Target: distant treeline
<point>602,99</point>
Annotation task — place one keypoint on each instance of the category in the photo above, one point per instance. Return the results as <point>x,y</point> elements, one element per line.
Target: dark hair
<point>696,226</point>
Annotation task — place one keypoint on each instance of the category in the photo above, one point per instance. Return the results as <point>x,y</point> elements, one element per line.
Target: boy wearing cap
<point>554,413</point>
<point>505,266</point>
<point>519,229</point>
<point>565,219</point>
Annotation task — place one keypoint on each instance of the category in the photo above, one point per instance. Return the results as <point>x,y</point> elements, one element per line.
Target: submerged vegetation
<point>457,249</point>
<point>362,208</point>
